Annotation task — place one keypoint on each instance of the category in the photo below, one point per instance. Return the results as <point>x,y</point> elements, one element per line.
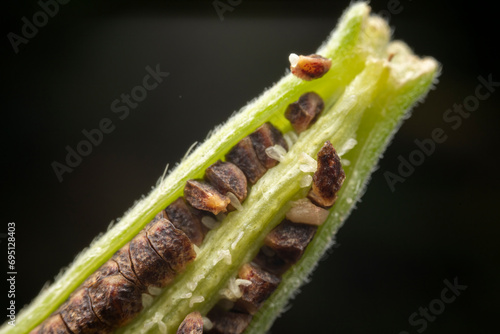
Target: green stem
<point>366,98</point>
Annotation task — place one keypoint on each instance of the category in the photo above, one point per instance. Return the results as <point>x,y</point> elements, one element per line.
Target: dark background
<point>395,250</point>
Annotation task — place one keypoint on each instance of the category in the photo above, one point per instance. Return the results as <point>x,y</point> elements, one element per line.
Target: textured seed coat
<point>244,156</point>
<point>112,296</point>
<point>289,240</point>
<point>263,285</point>
<point>311,67</point>
<point>266,136</point>
<point>228,322</point>
<point>171,244</point>
<point>204,196</point>
<point>305,111</point>
<point>227,177</point>
<point>328,178</point>
<point>115,300</point>
<point>187,219</point>
<point>53,325</point>
<point>192,324</point>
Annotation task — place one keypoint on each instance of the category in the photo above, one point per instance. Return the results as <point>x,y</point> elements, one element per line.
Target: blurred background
<point>397,248</point>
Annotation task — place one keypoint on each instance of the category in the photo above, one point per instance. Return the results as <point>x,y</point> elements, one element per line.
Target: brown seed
<point>204,196</point>
<point>289,240</point>
<point>309,67</point>
<point>263,285</point>
<point>78,314</point>
<point>266,136</point>
<point>192,324</point>
<point>115,300</point>
<point>171,244</point>
<point>328,178</point>
<point>53,325</point>
<point>112,296</point>
<point>150,268</point>
<point>303,211</point>
<point>228,322</point>
<point>159,215</point>
<point>107,269</point>
<point>271,262</point>
<point>122,259</point>
<point>227,177</point>
<point>244,156</point>
<point>187,219</point>
<point>305,111</point>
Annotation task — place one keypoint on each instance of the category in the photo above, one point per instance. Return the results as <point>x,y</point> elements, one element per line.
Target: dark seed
<point>228,322</point>
<point>115,300</point>
<point>204,196</point>
<point>192,324</point>
<point>159,215</point>
<point>263,285</point>
<point>289,240</point>
<point>328,178</point>
<point>112,296</point>
<point>244,156</point>
<point>305,111</point>
<point>311,67</point>
<point>150,268</point>
<point>271,263</point>
<point>266,136</point>
<point>187,219</point>
<point>227,177</point>
<point>107,269</point>
<point>79,316</point>
<point>171,244</point>
<point>122,258</point>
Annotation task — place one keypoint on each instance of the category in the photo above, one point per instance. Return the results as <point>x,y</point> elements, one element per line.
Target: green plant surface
<point>366,98</point>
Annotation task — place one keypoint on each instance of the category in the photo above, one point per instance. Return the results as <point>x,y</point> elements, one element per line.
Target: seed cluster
<point>112,296</point>
<point>283,247</point>
<point>286,243</point>
<point>116,292</point>
<point>128,282</point>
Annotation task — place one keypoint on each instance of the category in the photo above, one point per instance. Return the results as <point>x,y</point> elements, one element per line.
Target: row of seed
<point>283,247</point>
<point>118,290</point>
<point>114,294</point>
<point>286,243</point>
